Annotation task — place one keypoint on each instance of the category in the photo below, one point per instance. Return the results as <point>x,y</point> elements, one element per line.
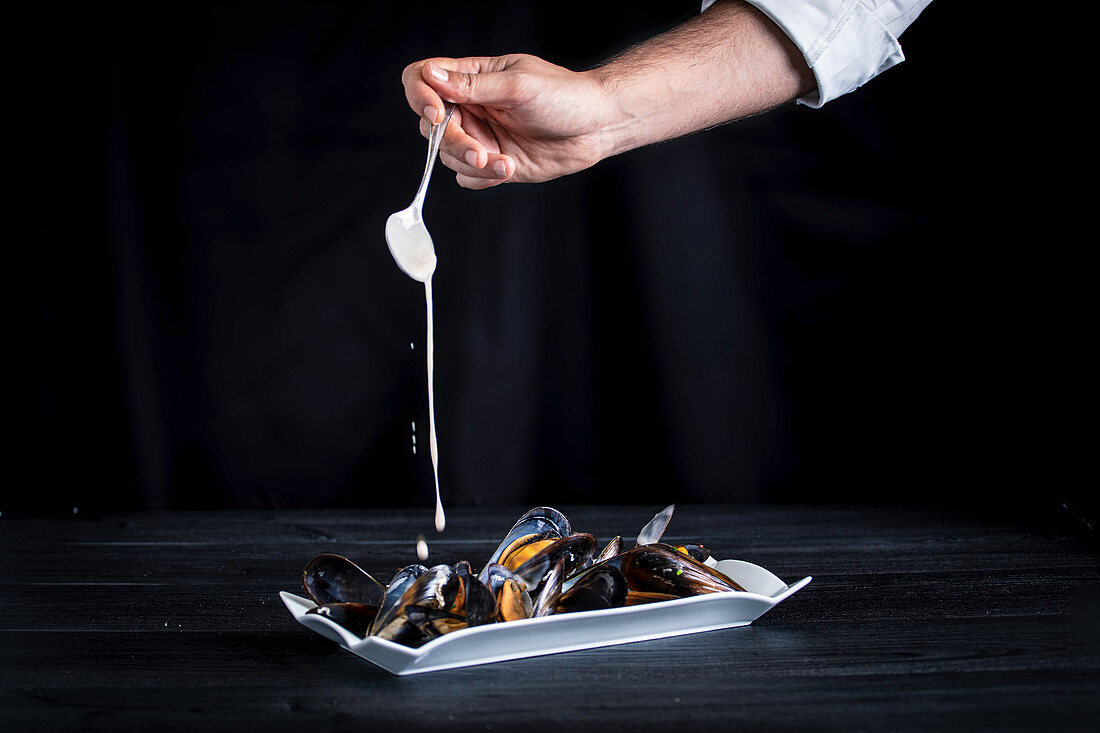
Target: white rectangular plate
<point>568,631</point>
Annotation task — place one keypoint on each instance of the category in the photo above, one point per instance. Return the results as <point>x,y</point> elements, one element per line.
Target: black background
<point>879,301</point>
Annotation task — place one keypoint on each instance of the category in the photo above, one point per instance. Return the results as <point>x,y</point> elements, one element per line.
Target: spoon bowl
<point>406,235</point>
<point>411,244</point>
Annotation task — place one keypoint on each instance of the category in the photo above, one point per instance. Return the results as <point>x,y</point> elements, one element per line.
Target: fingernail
<point>431,114</point>
<point>500,168</point>
<point>437,72</point>
<point>471,158</point>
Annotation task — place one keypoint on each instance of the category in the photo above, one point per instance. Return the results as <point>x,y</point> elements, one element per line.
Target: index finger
<point>423,100</point>
<point>417,76</point>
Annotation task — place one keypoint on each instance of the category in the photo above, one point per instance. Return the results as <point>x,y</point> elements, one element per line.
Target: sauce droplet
<point>421,548</point>
<point>440,517</point>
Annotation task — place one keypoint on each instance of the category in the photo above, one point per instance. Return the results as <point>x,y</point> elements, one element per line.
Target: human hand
<point>519,118</point>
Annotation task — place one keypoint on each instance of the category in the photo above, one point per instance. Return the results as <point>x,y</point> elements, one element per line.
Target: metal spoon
<point>408,239</point>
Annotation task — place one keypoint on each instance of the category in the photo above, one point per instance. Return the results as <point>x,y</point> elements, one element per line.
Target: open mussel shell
<point>526,547</point>
<point>434,622</point>
<point>600,586</point>
<point>613,548</point>
<point>391,601</point>
<point>510,591</point>
<point>543,523</point>
<point>655,529</point>
<point>610,550</point>
<point>336,579</point>
<point>480,603</point>
<point>472,603</point>
<point>661,569</point>
<point>551,590</point>
<point>573,550</point>
<point>423,603</point>
<point>434,588</point>
<point>581,573</point>
<point>355,617</point>
<point>471,599</point>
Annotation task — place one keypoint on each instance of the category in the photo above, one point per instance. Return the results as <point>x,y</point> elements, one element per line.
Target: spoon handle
<point>435,137</point>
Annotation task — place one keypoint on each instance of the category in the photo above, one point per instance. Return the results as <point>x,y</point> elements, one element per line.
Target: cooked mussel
<point>434,622</point>
<point>524,548</point>
<point>661,569</point>
<point>355,617</point>
<point>437,587</point>
<point>510,591</point>
<point>336,579</point>
<point>610,550</point>
<point>435,602</point>
<point>572,549</point>
<point>513,601</point>
<point>600,586</point>
<point>474,601</point>
<point>579,574</point>
<point>613,548</point>
<point>434,588</point>
<point>541,524</point>
<point>391,601</point>
<point>551,590</point>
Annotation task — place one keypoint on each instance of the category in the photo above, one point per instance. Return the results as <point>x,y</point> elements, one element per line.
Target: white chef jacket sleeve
<point>846,43</point>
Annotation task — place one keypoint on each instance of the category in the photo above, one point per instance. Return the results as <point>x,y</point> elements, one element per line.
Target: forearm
<point>725,64</point>
<point>521,118</point>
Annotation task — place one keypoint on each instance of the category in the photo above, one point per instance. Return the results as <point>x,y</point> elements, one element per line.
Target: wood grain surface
<point>917,619</point>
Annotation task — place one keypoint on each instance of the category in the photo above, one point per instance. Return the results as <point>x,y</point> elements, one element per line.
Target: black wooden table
<point>916,620</point>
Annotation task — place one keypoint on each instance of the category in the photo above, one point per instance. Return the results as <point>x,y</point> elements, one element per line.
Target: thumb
<point>489,87</point>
